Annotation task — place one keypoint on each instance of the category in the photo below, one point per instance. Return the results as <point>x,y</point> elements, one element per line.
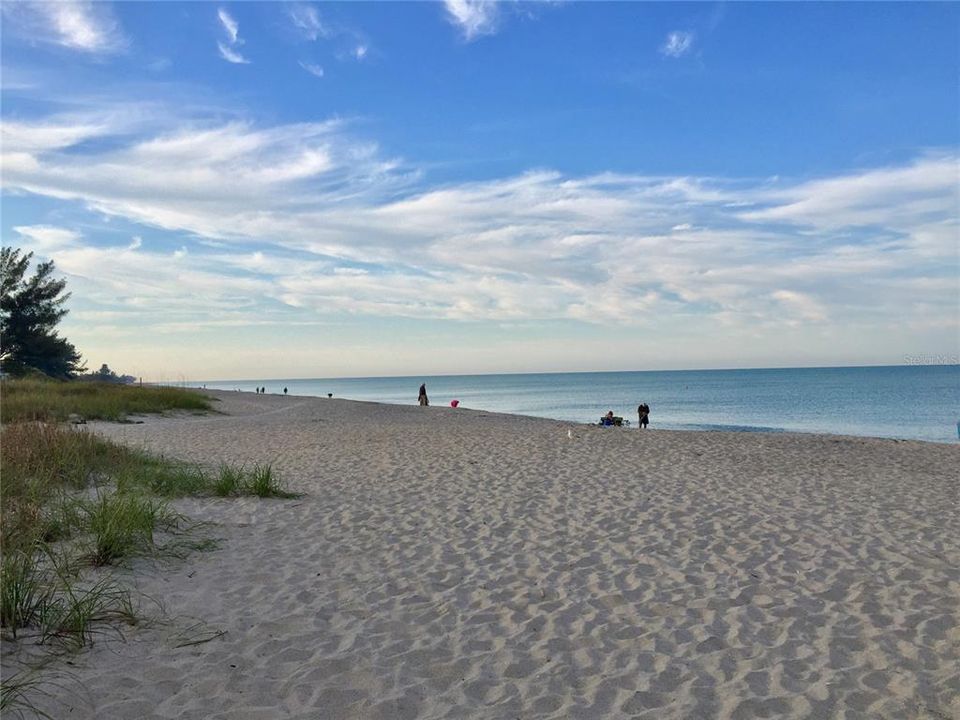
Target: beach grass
<point>24,594</point>
<point>14,692</point>
<point>123,524</point>
<point>65,490</point>
<point>70,500</point>
<point>55,400</point>
<point>228,481</point>
<point>264,482</point>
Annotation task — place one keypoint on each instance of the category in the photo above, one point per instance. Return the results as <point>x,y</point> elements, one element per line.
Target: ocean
<point>918,402</point>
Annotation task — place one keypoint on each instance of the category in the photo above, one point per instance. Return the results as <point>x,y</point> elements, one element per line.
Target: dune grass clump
<point>261,481</point>
<point>229,481</point>
<point>52,400</point>
<point>264,482</point>
<point>144,473</point>
<point>42,464</point>
<point>39,591</point>
<point>24,593</point>
<point>76,611</point>
<point>122,524</point>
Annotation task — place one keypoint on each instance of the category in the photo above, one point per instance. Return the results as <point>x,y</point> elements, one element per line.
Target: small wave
<point>713,427</point>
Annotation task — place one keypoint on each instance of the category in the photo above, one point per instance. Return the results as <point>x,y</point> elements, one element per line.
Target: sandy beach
<point>460,564</point>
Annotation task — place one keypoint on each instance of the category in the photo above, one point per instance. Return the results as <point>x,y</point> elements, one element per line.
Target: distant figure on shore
<point>329,395</point>
<point>644,412</point>
<point>422,398</point>
<point>284,391</point>
<point>608,418</point>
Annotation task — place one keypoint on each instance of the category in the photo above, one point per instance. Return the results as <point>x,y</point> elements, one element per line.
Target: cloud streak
<point>229,50</point>
<point>312,68</point>
<point>305,222</point>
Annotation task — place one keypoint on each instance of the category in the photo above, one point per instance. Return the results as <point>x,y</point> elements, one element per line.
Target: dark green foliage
<point>30,310</point>
<point>106,375</point>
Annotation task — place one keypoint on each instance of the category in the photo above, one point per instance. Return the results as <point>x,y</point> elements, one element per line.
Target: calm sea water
<point>914,402</point>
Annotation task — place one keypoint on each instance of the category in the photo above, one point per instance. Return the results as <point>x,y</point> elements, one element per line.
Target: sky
<point>276,190</point>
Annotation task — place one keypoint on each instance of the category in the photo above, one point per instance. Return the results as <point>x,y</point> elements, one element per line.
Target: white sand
<point>458,564</point>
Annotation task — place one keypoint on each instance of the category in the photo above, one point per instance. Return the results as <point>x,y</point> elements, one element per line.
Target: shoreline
<point>447,563</point>
<point>733,430</point>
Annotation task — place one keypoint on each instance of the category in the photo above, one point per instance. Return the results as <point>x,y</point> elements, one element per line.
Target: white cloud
<point>136,244</point>
<point>313,69</point>
<point>319,223</point>
<point>46,239</point>
<point>927,187</point>
<point>33,137</point>
<point>360,51</point>
<point>306,20</point>
<point>84,26</point>
<point>231,55</point>
<point>230,25</point>
<point>677,44</point>
<point>473,17</point>
<point>229,51</point>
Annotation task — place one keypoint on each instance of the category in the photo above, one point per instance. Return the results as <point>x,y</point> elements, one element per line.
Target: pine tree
<point>29,312</point>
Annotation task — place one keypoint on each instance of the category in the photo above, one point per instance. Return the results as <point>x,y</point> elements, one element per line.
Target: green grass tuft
<point>15,691</point>
<point>229,481</point>
<point>122,524</point>
<point>76,612</point>
<point>24,592</point>
<point>264,482</point>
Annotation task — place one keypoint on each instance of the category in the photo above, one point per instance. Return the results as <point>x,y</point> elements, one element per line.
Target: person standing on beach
<point>643,411</point>
<point>422,399</point>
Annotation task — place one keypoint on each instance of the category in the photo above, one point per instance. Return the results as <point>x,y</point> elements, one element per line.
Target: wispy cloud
<point>312,220</point>
<point>48,238</point>
<point>312,68</point>
<point>231,55</point>
<point>306,20</point>
<point>677,44</point>
<point>229,51</point>
<point>229,24</point>
<point>473,17</point>
<point>84,26</point>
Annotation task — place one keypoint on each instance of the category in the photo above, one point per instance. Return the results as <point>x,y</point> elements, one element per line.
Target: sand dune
<point>459,564</point>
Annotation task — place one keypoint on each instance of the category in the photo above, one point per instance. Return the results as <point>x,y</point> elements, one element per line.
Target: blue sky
<point>255,190</point>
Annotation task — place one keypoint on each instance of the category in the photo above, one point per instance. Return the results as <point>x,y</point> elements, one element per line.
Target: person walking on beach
<point>422,399</point>
<point>284,391</point>
<point>644,413</point>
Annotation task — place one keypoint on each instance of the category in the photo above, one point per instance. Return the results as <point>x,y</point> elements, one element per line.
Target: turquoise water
<point>919,402</point>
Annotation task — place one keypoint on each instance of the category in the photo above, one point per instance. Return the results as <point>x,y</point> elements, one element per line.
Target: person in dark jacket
<point>422,399</point>
<point>644,413</point>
